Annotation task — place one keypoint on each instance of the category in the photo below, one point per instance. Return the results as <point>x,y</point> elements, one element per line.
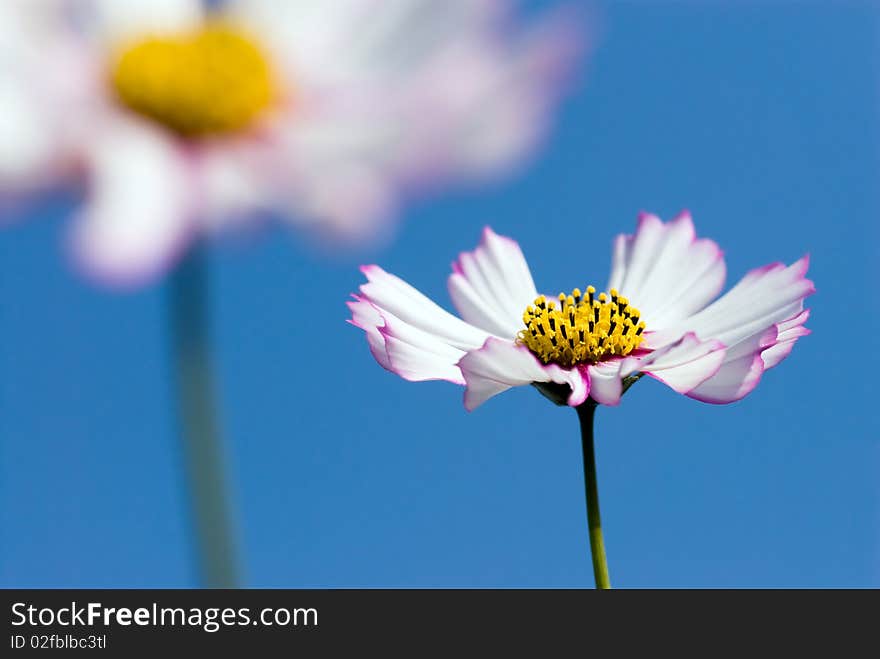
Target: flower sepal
<point>558,394</point>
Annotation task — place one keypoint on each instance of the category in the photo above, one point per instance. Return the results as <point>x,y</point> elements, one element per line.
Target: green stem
<point>201,437</point>
<point>586,412</point>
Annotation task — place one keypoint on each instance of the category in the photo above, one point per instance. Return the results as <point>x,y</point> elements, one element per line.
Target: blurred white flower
<point>182,120</point>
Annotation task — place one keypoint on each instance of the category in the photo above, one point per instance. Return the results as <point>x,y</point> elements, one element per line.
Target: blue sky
<point>761,118</point>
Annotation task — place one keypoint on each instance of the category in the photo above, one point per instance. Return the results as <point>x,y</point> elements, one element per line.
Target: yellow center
<point>213,80</point>
<point>581,329</point>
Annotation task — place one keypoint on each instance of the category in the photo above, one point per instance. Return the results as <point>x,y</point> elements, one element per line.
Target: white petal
<point>761,315</point>
<point>232,181</point>
<point>357,38</point>
<point>665,271</point>
<point>344,201</point>
<point>306,35</point>
<point>501,364</point>
<point>792,324</point>
<point>763,348</point>
<point>788,333</point>
<point>22,20</point>
<point>420,340</point>
<point>681,365</point>
<point>773,355</point>
<point>48,81</point>
<point>402,95</point>
<point>139,212</point>
<point>26,135</point>
<point>407,351</point>
<point>470,305</point>
<point>641,251</point>
<point>493,102</point>
<point>389,293</point>
<point>763,297</point>
<point>403,349</point>
<point>492,286</point>
<point>739,372</point>
<point>606,384</point>
<point>687,363</point>
<point>417,355</point>
<point>368,318</point>
<point>620,256</point>
<point>335,165</point>
<point>733,381</point>
<point>118,20</point>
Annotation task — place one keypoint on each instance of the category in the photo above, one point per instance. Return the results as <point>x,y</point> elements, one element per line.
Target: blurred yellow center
<point>213,80</point>
<point>581,328</point>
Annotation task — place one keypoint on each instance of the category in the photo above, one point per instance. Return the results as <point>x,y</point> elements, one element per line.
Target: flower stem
<point>202,443</point>
<point>586,412</point>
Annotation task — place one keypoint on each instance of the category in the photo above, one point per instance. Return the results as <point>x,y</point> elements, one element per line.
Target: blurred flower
<point>508,335</point>
<point>183,120</point>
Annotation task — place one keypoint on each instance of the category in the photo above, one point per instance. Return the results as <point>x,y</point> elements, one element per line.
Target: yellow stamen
<point>214,80</point>
<point>582,330</point>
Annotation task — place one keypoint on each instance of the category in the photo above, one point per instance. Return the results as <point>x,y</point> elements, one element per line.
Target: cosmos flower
<point>181,119</point>
<point>657,318</point>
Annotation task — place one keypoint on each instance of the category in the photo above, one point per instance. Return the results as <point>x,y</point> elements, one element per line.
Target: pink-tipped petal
<point>491,286</point>
<point>416,355</point>
<point>409,334</point>
<point>390,293</point>
<point>788,332</point>
<point>606,383</point>
<point>365,316</point>
<point>687,363</point>
<point>776,353</point>
<point>758,320</point>
<point>793,323</point>
<point>578,380</point>
<point>665,271</point>
<point>761,299</point>
<point>739,372</point>
<point>760,343</point>
<point>501,364</point>
<point>733,381</point>
<point>403,349</point>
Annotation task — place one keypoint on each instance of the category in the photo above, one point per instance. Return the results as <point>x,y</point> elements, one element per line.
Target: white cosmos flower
<point>659,318</point>
<point>181,120</point>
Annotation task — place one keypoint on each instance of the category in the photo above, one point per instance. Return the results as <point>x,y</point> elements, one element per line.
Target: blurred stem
<point>586,413</point>
<point>200,433</point>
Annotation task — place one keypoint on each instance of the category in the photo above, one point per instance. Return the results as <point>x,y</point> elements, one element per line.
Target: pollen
<point>214,80</point>
<point>581,328</point>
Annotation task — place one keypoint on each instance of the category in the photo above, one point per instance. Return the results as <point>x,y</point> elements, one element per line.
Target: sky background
<point>761,118</point>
